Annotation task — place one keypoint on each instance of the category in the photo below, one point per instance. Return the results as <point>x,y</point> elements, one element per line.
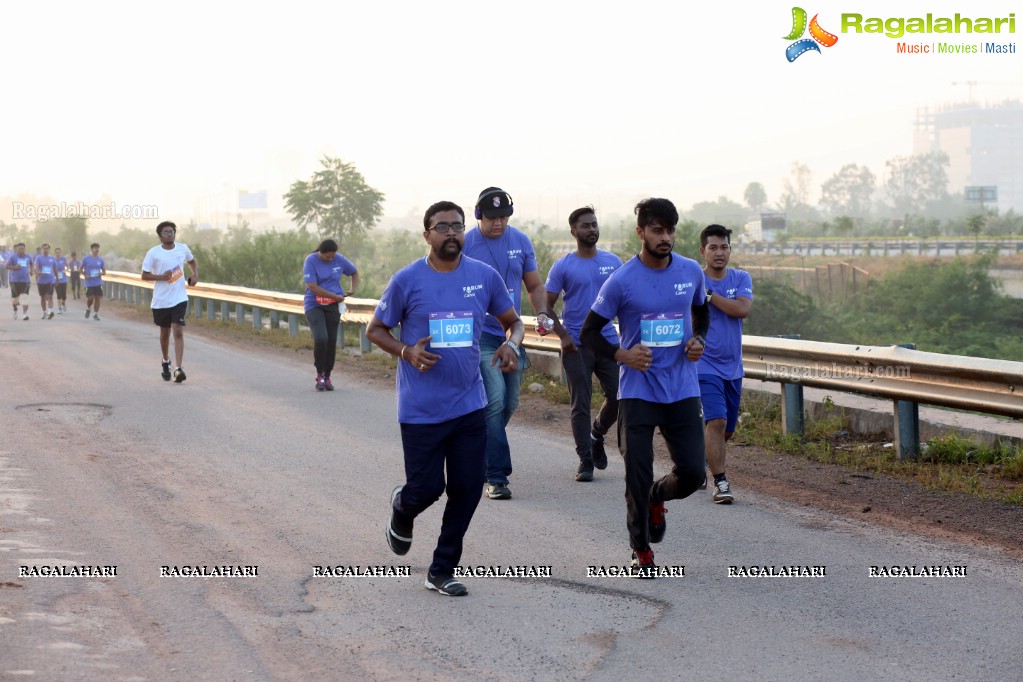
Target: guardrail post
<point>907,425</point>
<point>792,411</point>
<point>211,310</point>
<point>225,314</point>
<point>292,324</point>
<point>257,319</point>
<point>275,319</point>
<point>364,340</point>
<point>197,310</point>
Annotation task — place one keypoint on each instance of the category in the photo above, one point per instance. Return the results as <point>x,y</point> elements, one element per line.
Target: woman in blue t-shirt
<point>322,275</point>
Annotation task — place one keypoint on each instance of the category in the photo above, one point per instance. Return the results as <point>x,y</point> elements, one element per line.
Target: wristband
<point>514,345</point>
<point>402,353</point>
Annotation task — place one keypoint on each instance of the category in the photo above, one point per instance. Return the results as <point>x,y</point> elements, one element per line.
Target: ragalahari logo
<point>817,35</point>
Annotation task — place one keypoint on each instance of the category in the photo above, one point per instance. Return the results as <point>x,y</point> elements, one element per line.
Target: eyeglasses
<point>444,228</point>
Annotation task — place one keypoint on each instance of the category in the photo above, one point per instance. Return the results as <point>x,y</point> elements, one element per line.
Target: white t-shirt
<point>159,260</point>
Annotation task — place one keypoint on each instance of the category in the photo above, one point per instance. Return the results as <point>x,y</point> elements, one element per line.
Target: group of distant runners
<point>164,265</point>
<point>52,273</point>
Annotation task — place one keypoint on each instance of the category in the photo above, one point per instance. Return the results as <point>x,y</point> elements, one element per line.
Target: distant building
<point>984,146</point>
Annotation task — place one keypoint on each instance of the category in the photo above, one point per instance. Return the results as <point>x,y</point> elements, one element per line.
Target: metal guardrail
<point>907,377</point>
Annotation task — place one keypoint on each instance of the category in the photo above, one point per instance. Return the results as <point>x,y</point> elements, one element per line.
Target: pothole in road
<point>87,414</point>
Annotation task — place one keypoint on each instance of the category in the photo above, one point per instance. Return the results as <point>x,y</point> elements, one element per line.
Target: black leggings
<point>323,323</point>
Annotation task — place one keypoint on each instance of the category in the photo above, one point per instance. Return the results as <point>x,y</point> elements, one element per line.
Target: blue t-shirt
<point>93,267</point>
<point>24,272</point>
<point>46,266</point>
<point>61,265</point>
<point>655,307</point>
<point>579,279</point>
<point>723,355</point>
<point>450,306</point>
<point>327,274</point>
<point>512,255</point>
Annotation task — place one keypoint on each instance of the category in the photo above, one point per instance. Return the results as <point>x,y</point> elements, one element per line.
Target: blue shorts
<point>720,399</point>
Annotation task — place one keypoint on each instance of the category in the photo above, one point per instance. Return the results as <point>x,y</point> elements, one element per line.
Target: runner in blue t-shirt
<point>61,267</point>
<point>322,273</point>
<point>94,268</point>
<point>441,303</point>
<point>658,298</point>
<point>729,298</point>
<point>46,277</point>
<point>510,252</point>
<point>580,275</point>
<point>19,265</point>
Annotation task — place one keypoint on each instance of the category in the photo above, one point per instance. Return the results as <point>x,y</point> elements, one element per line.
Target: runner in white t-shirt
<point>164,266</point>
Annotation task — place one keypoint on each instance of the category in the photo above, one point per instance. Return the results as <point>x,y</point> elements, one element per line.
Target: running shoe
<point>658,524</point>
<point>498,491</point>
<point>584,474</point>
<point>179,375</point>
<point>165,370</point>
<point>445,584</point>
<point>95,316</point>
<point>327,385</point>
<point>87,313</point>
<point>723,492</point>
<point>399,536</point>
<point>320,386</point>
<point>643,564</point>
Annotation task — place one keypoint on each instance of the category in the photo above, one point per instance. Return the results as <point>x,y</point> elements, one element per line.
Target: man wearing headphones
<point>509,251</point>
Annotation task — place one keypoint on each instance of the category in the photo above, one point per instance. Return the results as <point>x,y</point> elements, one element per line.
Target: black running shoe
<point>597,449</point>
<point>399,537</point>
<point>165,370</point>
<point>179,375</point>
<point>584,474</point>
<point>658,524</point>
<point>445,584</point>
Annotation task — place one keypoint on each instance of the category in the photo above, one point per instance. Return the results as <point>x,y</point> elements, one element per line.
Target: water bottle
<point>545,326</point>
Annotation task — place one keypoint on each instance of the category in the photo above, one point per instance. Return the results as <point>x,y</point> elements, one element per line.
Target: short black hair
<point>715,231</point>
<point>94,246</point>
<point>164,224</point>
<point>661,210</point>
<point>574,216</point>
<point>437,208</point>
<point>327,246</point>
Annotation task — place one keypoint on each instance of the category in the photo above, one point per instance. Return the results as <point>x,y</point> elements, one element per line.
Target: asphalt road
<point>104,464</point>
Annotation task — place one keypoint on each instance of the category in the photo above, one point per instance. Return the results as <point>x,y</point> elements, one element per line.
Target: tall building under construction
<point>984,144</point>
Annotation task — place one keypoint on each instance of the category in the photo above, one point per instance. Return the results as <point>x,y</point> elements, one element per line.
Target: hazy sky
<point>180,105</point>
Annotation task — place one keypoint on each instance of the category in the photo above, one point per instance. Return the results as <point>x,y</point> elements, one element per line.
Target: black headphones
<point>496,190</point>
